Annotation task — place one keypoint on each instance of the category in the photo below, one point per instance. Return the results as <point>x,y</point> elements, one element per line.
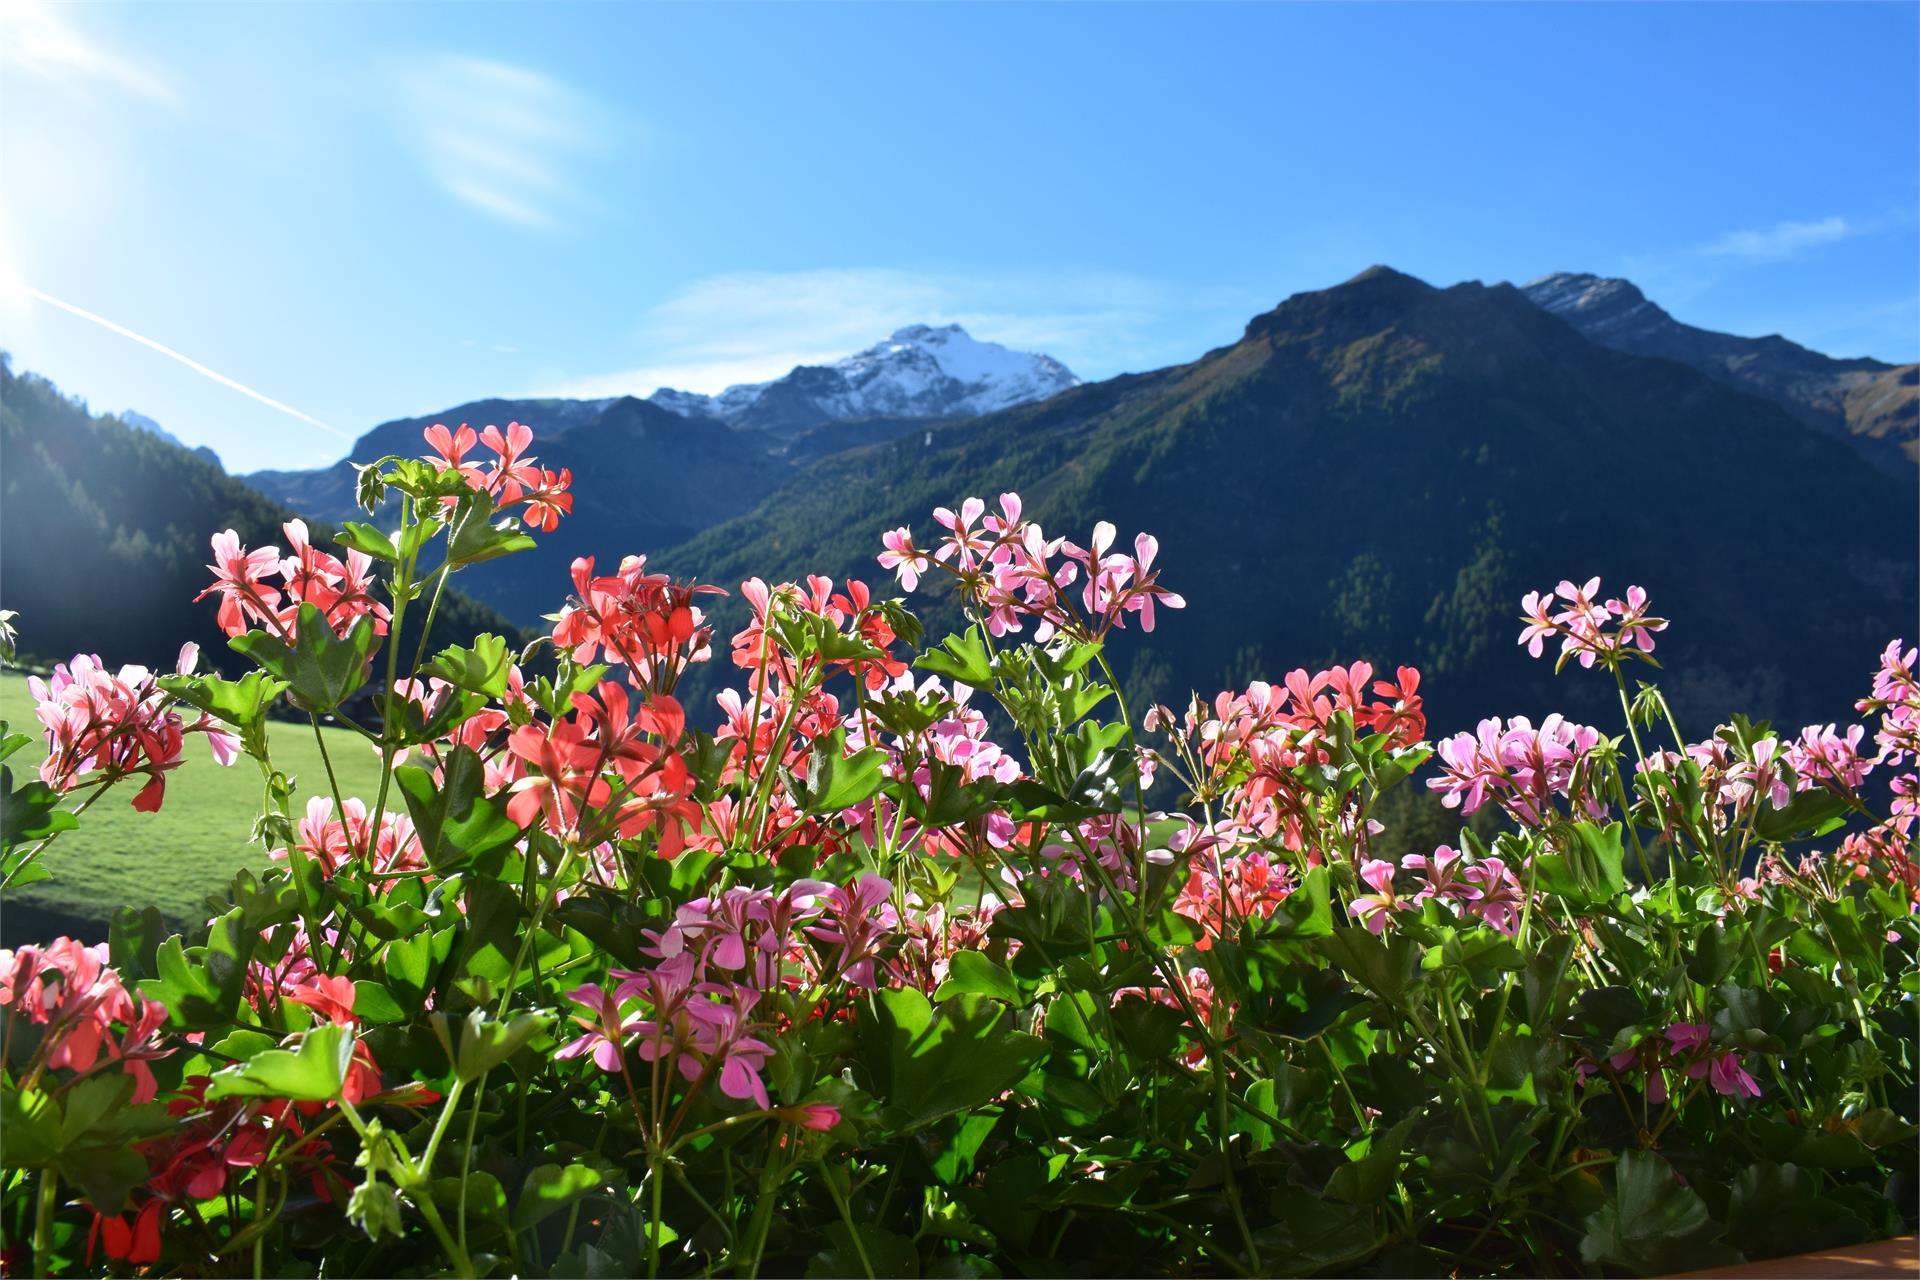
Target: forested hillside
<point>104,530</point>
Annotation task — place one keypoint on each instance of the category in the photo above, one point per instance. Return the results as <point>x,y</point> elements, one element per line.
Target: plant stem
<point>846,1216</point>
<point>43,1220</point>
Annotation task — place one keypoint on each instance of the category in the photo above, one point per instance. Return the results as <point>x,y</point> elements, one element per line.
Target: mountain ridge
<point>1380,470</point>
<point>1873,404</point>
<point>919,370</point>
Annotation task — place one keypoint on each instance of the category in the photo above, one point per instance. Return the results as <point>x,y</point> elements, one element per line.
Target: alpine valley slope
<point>1380,470</point>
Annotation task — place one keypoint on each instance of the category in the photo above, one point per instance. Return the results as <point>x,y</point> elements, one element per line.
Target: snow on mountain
<point>919,372</point>
<point>1598,306</point>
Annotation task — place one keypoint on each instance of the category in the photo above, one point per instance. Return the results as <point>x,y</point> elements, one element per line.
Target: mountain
<point>141,422</point>
<point>643,477</point>
<point>1871,403</point>
<point>1381,470</point>
<point>650,473</point>
<point>918,372</point>
<point>104,530</point>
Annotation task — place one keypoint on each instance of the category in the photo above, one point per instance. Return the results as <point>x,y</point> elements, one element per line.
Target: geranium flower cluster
<point>759,650</point>
<point>593,774</point>
<point>1589,631</point>
<point>1521,768</point>
<point>1250,748</point>
<point>510,477</point>
<point>697,1010</point>
<point>1014,573</point>
<point>1485,888</point>
<point>931,934</point>
<point>1222,892</point>
<point>242,580</point>
<point>103,726</point>
<point>1684,1047</point>
<point>645,621</point>
<point>69,1000</point>
<point>1896,698</point>
<point>334,839</point>
<point>772,961</point>
<point>213,1147</point>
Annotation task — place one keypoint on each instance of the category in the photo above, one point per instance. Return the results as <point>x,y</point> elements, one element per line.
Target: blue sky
<point>358,212</point>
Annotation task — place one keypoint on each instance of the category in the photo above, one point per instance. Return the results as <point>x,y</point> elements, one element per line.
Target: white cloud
<point>497,137</point>
<point>1782,240</point>
<point>36,37</point>
<point>752,326</point>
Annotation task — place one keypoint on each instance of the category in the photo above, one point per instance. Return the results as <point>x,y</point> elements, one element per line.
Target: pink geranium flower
<point>1373,909</point>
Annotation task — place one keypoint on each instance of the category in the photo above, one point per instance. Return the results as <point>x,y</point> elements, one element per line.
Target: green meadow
<point>174,858</point>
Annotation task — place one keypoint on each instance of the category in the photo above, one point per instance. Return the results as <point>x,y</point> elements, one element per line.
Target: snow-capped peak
<point>918,371</point>
<point>1595,304</point>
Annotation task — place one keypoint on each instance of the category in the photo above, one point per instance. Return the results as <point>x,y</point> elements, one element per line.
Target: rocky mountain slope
<point>1873,404</point>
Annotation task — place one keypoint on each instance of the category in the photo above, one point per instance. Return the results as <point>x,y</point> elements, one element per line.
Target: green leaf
<point>133,940</point>
<point>372,1002</point>
<point>481,669</point>
<point>242,703</point>
<point>1028,801</point>
<point>1652,1225</point>
<point>321,669</point>
<point>29,814</point>
<point>974,972</point>
<point>485,1198</point>
<point>1716,950</point>
<point>1590,870</point>
<point>477,539</point>
<point>366,539</point>
<point>107,1175</point>
<point>1482,954</point>
<point>1293,1000</point>
<point>1312,1234</point>
<point>489,937</point>
<point>312,1073</point>
<point>411,963</point>
<point>1545,980</point>
<point>1808,816</point>
<point>11,742</point>
<point>1368,1180</point>
<point>1777,1209</point>
<point>865,1251</point>
<point>485,1043</point>
<point>31,1121</point>
<point>836,780</point>
<point>1307,912</point>
<point>1388,966</point>
<point>962,658</point>
<point>90,1101</point>
<point>1150,1030</point>
<point>455,819</point>
<point>950,1146</point>
<point>550,1188</point>
<point>949,800</point>
<point>930,1061</point>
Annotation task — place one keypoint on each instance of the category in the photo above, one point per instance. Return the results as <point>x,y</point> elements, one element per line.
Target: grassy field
<point>174,858</point>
